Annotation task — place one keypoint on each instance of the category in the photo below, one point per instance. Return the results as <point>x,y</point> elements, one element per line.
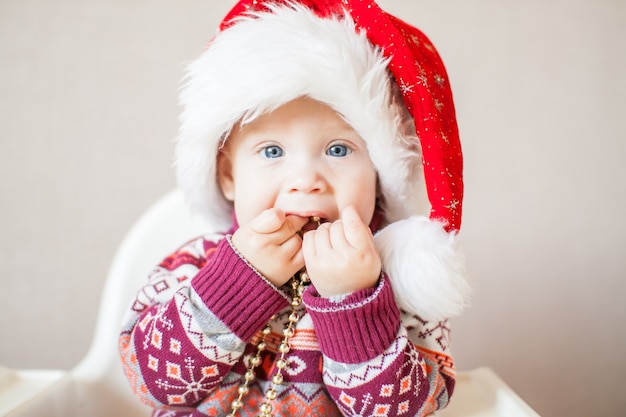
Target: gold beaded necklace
<point>297,283</point>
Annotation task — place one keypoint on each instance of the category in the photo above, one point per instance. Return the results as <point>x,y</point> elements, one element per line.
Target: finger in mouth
<point>313,223</point>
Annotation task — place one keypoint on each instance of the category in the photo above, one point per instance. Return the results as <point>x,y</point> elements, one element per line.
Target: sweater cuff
<point>236,293</point>
<point>357,329</point>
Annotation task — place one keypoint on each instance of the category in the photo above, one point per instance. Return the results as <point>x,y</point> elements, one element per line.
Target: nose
<point>307,178</point>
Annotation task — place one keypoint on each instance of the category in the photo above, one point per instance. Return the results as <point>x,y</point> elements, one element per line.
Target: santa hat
<point>385,78</point>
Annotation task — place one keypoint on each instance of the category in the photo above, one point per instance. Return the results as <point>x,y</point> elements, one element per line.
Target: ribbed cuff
<point>357,329</point>
<point>237,294</point>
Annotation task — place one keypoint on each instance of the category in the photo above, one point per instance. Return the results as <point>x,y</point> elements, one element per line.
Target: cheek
<point>252,196</point>
<point>367,206</point>
<point>370,194</point>
<point>362,194</point>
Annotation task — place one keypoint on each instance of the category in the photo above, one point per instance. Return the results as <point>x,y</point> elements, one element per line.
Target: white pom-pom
<point>425,267</point>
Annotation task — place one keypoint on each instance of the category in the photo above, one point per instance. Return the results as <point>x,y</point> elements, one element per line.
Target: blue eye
<point>338,150</point>
<point>273,151</point>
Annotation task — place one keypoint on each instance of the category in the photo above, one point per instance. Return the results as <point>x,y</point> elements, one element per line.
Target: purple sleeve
<point>191,322</point>
<point>373,361</point>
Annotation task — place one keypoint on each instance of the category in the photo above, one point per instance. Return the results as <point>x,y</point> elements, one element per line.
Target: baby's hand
<point>340,257</point>
<point>272,245</point>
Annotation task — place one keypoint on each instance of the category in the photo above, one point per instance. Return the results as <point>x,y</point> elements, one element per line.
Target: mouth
<point>313,223</point>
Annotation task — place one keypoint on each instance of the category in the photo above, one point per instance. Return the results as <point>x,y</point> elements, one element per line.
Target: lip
<point>310,214</point>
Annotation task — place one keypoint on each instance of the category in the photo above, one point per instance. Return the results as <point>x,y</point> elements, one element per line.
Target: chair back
<point>101,387</point>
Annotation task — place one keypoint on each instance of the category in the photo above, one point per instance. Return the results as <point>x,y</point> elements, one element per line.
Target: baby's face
<point>302,158</point>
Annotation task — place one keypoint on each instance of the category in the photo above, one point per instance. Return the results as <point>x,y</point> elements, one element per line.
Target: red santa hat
<point>386,80</point>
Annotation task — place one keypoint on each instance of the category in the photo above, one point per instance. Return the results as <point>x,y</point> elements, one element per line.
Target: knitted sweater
<point>191,331</point>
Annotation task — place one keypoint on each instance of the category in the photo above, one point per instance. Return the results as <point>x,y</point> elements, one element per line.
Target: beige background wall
<point>88,112</point>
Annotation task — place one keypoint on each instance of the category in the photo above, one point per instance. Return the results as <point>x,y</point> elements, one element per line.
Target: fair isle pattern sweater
<point>192,330</point>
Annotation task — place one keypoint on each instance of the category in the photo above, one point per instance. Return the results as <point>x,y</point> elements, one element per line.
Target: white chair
<point>97,385</point>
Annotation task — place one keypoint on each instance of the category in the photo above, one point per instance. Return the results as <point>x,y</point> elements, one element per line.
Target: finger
<point>322,238</point>
<point>308,246</point>
<point>294,224</point>
<point>338,236</point>
<point>269,221</point>
<point>292,250</point>
<point>356,232</point>
<point>297,258</point>
<point>291,245</point>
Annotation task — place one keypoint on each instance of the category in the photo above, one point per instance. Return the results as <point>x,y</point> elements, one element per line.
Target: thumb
<point>268,221</point>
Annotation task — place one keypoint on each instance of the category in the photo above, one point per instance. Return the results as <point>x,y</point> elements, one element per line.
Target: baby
<point>322,290</point>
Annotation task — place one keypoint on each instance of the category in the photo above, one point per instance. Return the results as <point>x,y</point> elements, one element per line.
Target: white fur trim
<point>425,268</point>
<point>268,59</point>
